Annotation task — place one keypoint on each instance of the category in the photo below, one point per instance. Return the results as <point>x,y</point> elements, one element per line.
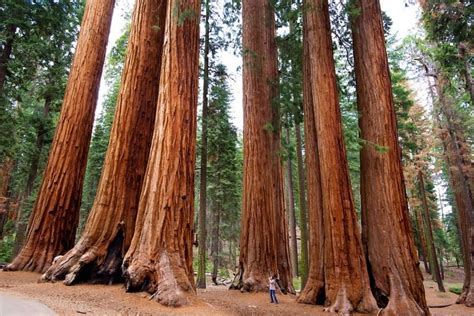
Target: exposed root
<point>167,280</point>
<point>341,305</point>
<point>86,263</point>
<point>470,297</point>
<point>399,303</point>
<point>313,293</point>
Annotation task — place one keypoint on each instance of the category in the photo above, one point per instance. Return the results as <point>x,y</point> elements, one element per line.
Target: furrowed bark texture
<point>387,235</point>
<point>98,255</point>
<point>264,235</point>
<point>6,169</point>
<point>346,280</point>
<point>159,259</point>
<point>216,212</point>
<point>55,215</point>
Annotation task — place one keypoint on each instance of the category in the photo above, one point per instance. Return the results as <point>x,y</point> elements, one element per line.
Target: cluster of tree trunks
<point>98,255</point>
<point>55,215</point>
<point>338,274</point>
<point>264,233</point>
<point>159,259</point>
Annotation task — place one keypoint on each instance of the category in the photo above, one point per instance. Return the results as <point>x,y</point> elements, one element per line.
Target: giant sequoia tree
<point>338,273</point>
<point>393,262</point>
<point>54,219</point>
<point>98,255</point>
<point>159,259</point>
<point>264,237</point>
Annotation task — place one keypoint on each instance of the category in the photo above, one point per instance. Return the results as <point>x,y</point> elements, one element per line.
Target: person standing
<point>272,286</point>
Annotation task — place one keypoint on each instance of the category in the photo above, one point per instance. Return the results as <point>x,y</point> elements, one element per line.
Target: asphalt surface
<point>15,306</point>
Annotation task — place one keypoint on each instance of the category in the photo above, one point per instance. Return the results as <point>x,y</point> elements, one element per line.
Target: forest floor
<point>215,300</point>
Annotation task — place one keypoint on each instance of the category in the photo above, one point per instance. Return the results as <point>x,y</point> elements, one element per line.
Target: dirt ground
<point>216,300</point>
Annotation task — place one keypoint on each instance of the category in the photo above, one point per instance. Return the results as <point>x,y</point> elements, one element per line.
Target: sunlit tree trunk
<point>98,255</point>
<point>6,169</point>
<point>55,215</point>
<point>393,262</point>
<point>335,243</point>
<point>264,235</point>
<point>159,259</point>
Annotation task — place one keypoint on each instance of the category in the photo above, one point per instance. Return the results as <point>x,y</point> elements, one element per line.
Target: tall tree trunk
<point>55,215</point>
<point>346,280</point>
<point>215,242</point>
<point>429,234</point>
<point>397,282</point>
<point>201,275</point>
<point>98,255</point>
<point>302,204</point>
<point>421,232</point>
<point>159,259</point>
<point>5,54</point>
<point>290,201</point>
<point>263,238</point>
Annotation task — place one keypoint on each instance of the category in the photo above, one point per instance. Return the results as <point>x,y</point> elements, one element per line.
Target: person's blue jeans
<point>273,297</point>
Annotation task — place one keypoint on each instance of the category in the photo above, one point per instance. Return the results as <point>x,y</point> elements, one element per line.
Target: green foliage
<point>6,248</point>
<point>456,289</point>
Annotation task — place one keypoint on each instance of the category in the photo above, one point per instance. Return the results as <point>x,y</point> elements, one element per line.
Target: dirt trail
<point>112,300</point>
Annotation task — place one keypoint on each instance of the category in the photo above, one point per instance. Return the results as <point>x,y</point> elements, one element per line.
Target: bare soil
<point>215,300</point>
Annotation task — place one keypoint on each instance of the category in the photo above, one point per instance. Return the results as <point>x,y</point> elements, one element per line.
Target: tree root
<point>313,293</point>
<point>341,305</point>
<point>400,303</point>
<point>167,280</point>
<point>87,263</point>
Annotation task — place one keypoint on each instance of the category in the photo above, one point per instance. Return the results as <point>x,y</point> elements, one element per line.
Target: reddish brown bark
<point>55,215</point>
<point>159,259</point>
<point>336,247</point>
<point>264,235</point>
<point>393,263</point>
<point>98,255</point>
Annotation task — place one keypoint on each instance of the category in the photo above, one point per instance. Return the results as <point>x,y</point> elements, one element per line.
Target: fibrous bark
<point>98,255</point>
<point>397,282</point>
<point>338,271</point>
<point>55,215</point>
<point>159,259</point>
<point>264,235</point>
<point>421,232</point>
